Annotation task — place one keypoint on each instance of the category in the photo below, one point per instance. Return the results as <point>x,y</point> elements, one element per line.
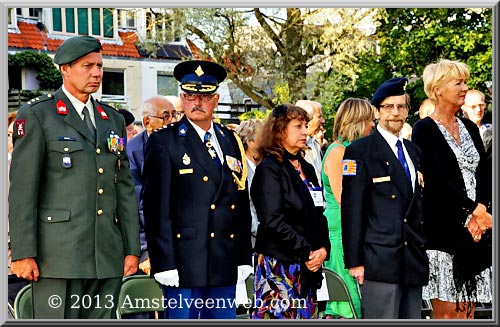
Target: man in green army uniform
<point>74,223</point>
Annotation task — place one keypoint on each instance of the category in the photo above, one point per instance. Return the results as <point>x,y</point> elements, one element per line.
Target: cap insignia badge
<point>199,71</point>
<point>185,159</point>
<point>404,86</point>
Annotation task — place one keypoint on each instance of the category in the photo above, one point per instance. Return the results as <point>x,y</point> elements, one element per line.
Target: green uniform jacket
<point>67,208</point>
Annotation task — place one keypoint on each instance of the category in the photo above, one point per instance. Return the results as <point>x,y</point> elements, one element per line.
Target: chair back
<point>337,289</point>
<point>139,294</point>
<point>23,304</point>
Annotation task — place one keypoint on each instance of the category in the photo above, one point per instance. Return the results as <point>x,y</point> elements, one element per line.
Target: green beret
<point>75,48</point>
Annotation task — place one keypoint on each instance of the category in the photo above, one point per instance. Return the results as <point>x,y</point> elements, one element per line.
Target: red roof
<point>30,37</point>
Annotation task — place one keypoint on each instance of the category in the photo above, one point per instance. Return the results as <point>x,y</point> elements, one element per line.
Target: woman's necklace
<point>297,167</point>
<point>453,130</point>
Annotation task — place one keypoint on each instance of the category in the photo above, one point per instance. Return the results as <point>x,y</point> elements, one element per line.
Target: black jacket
<point>290,225</point>
<point>382,223</point>
<point>196,219</point>
<point>446,204</point>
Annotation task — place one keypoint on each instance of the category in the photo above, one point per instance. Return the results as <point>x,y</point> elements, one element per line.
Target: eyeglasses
<point>167,115</point>
<point>194,96</point>
<point>476,106</point>
<point>398,106</point>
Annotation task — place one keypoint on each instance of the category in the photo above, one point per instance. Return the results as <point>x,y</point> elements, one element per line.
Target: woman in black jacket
<point>456,197</point>
<point>292,238</point>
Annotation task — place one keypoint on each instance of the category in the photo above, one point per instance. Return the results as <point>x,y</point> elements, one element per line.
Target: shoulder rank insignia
<point>103,114</point>
<point>349,167</point>
<point>182,130</point>
<point>61,107</point>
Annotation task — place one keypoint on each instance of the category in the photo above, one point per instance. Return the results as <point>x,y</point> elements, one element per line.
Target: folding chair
<point>337,289</point>
<point>23,304</point>
<point>249,286</point>
<point>139,294</point>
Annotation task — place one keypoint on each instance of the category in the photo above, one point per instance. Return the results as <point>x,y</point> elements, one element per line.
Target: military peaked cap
<point>198,76</point>
<point>389,88</point>
<point>76,47</point>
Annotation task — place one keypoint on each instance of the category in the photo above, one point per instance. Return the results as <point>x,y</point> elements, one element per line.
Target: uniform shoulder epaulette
<point>106,105</point>
<point>39,99</point>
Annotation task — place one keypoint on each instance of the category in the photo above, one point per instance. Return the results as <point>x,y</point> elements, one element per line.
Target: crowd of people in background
<point>402,214</point>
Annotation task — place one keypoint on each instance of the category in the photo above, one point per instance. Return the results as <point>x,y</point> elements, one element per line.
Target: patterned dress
<point>277,291</point>
<point>441,285</point>
<point>336,262</point>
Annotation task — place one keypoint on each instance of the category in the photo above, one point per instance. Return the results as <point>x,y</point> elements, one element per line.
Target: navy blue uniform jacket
<point>382,223</point>
<point>196,219</point>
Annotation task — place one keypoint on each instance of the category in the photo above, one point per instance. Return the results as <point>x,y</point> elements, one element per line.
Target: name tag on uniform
<point>381,179</point>
<point>185,171</point>
<point>317,196</point>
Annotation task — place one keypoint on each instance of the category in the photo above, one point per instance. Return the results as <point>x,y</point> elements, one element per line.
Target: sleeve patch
<point>20,127</point>
<point>348,167</point>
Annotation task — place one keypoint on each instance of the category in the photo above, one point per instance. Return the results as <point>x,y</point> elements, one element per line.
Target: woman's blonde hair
<point>440,73</point>
<point>350,119</point>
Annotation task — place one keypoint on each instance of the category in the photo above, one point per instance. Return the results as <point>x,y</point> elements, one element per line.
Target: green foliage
<point>254,114</point>
<point>48,75</point>
<point>408,39</point>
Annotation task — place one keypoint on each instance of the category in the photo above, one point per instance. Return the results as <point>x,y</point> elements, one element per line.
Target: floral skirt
<point>277,291</point>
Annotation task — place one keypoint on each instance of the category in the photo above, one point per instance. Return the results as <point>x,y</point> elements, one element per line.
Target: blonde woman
<point>457,197</point>
<point>354,119</point>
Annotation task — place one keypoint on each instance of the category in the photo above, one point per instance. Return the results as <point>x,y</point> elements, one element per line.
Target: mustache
<point>197,109</point>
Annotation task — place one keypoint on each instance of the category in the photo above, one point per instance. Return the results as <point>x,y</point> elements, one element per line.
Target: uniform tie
<point>88,122</point>
<point>211,149</point>
<point>402,159</point>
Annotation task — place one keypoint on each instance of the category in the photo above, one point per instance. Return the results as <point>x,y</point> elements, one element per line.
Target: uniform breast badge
<point>66,161</point>
<point>116,144</point>
<point>186,159</point>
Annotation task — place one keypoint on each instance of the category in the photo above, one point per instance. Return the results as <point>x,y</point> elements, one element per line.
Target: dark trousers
<point>200,303</point>
<point>56,298</point>
<point>390,301</point>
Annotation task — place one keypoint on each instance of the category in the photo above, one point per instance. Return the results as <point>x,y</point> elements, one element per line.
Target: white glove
<point>243,272</point>
<point>168,278</point>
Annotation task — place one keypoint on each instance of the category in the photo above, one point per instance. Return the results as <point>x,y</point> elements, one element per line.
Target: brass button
<point>393,196</point>
<point>66,149</point>
<point>98,151</point>
<point>49,218</point>
<point>101,170</point>
<point>404,220</point>
<point>178,235</point>
<point>101,191</point>
<point>233,206</point>
<point>205,178</point>
<point>99,212</point>
<point>406,243</point>
<point>212,235</point>
<point>231,236</point>
<point>212,207</point>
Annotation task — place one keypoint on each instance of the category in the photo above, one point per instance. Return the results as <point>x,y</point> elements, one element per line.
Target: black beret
<point>391,87</point>
<point>129,117</point>
<point>76,47</point>
<point>198,76</point>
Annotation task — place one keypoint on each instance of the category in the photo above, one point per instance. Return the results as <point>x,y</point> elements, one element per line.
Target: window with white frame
<point>97,22</point>
<point>11,17</point>
<point>29,12</point>
<point>127,18</point>
<point>113,82</point>
<point>166,83</point>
